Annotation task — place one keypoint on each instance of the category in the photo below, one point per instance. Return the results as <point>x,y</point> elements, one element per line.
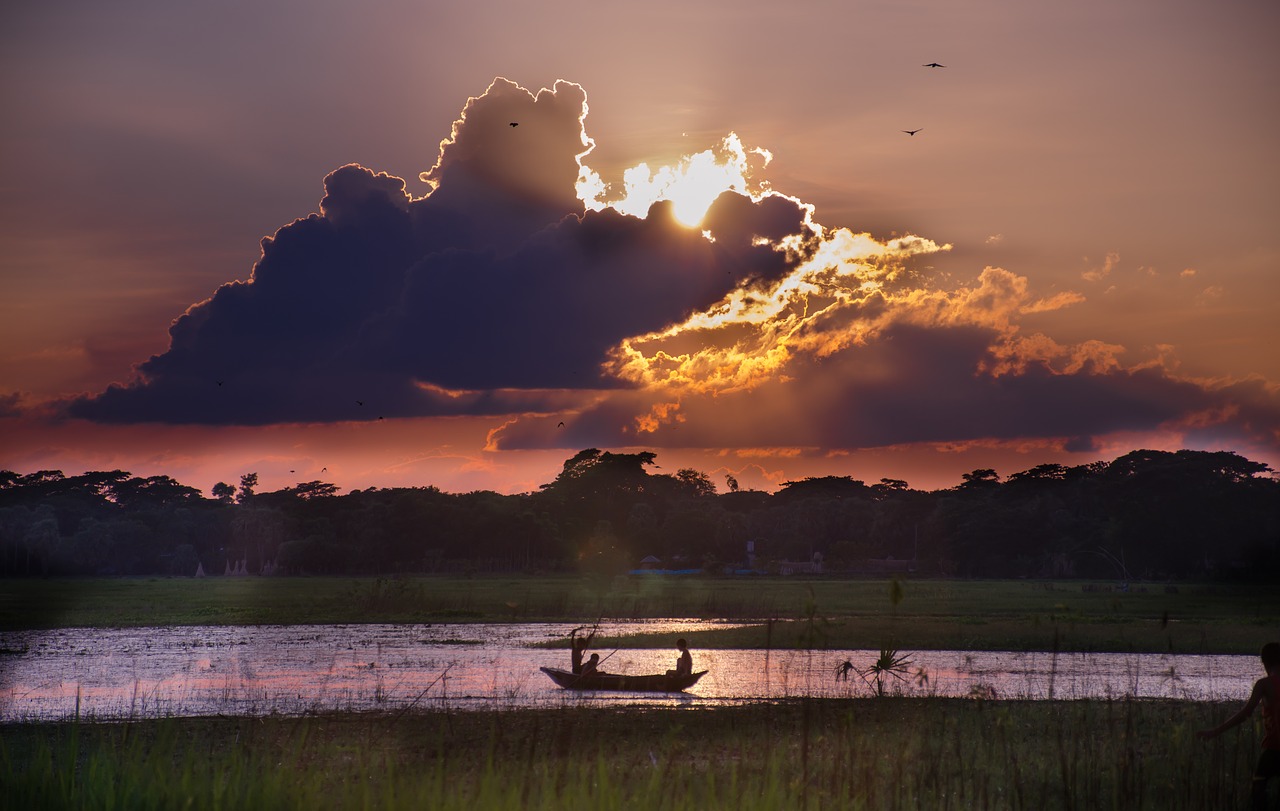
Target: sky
<point>410,244</point>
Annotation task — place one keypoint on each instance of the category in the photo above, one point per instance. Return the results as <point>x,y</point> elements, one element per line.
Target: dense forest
<point>1147,515</point>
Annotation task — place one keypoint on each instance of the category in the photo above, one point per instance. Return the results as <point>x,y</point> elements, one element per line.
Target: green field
<point>902,753</point>
<point>784,612</point>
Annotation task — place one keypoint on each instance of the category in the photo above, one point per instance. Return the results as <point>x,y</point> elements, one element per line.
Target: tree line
<point>1146,515</point>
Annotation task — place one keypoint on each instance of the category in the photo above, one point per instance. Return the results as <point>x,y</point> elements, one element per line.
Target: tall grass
<point>814,754</point>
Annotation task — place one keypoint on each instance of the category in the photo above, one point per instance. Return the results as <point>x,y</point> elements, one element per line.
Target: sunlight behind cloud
<point>840,295</point>
<point>692,185</point>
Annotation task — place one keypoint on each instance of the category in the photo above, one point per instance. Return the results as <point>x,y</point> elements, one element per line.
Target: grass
<point>811,612</point>
<point>862,754</point>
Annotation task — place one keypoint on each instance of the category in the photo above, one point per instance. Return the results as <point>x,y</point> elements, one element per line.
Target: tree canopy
<point>1152,514</point>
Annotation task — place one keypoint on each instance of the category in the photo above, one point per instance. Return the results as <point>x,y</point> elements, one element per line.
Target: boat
<point>657,683</point>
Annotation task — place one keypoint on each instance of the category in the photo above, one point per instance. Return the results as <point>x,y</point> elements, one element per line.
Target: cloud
<point>918,384</point>
<point>11,404</point>
<point>498,283</point>
<point>686,306</point>
<point>1100,272</point>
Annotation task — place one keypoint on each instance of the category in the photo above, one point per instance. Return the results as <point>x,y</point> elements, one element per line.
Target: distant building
<point>886,566</point>
<point>813,566</point>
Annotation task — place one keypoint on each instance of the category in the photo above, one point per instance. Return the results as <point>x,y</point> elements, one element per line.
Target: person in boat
<point>1266,691</point>
<point>684,665</point>
<point>578,648</point>
<point>592,666</point>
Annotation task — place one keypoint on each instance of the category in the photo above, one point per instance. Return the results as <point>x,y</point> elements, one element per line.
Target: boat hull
<point>658,683</point>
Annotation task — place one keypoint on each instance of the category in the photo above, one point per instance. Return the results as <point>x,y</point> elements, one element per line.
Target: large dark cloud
<point>499,293</point>
<point>497,282</point>
<point>546,314</point>
<point>919,384</point>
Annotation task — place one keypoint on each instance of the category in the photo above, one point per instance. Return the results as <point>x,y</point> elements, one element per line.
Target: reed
<point>810,754</point>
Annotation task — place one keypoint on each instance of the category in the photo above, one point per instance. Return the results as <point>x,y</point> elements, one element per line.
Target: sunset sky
<point>304,239</point>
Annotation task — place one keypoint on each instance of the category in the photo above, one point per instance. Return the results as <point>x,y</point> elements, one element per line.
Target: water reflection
<point>180,671</point>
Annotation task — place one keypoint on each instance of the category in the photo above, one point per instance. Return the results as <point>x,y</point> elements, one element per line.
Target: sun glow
<point>692,185</point>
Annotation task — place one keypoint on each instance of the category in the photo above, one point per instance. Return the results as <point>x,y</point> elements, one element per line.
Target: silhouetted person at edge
<point>578,648</point>
<point>684,665</point>
<point>1266,691</point>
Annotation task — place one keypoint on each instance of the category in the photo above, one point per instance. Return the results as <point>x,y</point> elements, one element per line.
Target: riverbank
<point>785,612</point>
<point>860,753</point>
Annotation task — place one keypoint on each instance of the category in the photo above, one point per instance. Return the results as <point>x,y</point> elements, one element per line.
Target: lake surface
<point>298,669</point>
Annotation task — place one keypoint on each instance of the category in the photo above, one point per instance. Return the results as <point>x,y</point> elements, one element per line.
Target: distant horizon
<point>720,483</point>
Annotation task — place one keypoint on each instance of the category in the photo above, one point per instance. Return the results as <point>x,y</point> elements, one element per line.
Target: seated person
<point>684,665</point>
<point>591,667</point>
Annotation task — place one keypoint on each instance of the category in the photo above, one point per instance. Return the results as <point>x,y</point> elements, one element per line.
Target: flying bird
<point>912,132</point>
<point>933,65</point>
<point>561,425</point>
<point>515,123</point>
<point>359,402</point>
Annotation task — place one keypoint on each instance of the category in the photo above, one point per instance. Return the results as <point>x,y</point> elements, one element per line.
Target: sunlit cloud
<point>686,305</point>
<point>1100,272</point>
<point>768,453</point>
<point>1211,294</point>
<point>659,414</point>
<point>692,184</point>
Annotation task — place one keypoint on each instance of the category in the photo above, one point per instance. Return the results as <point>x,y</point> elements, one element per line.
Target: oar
<point>424,692</point>
<point>605,659</point>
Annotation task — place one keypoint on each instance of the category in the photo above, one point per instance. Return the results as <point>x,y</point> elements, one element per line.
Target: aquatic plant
<point>890,663</point>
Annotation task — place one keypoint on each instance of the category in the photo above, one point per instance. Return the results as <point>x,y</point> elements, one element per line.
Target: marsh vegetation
<point>869,753</point>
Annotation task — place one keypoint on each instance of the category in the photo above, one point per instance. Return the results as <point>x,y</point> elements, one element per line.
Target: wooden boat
<point>658,683</point>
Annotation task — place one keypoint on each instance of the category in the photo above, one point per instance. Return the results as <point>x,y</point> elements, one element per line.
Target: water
<point>294,670</point>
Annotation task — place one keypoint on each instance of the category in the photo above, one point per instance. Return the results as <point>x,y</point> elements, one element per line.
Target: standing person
<point>578,648</point>
<point>684,665</point>
<point>1266,691</point>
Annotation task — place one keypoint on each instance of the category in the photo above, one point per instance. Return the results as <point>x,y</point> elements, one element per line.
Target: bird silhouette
<point>219,382</point>
<point>912,132</point>
<point>324,470</point>
<point>360,402</point>
<point>933,65</point>
<point>515,123</point>
<point>561,425</point>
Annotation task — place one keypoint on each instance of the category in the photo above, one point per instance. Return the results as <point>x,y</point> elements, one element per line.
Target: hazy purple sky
<point>1095,190</point>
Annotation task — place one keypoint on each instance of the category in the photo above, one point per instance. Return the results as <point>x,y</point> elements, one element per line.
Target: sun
<point>692,185</point>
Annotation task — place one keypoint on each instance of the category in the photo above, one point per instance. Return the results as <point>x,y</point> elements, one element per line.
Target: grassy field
<point>819,613</point>
<point>860,754</point>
